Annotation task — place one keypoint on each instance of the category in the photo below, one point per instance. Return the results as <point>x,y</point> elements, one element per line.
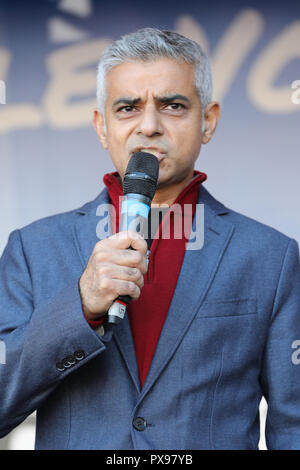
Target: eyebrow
<point>171,98</point>
<point>126,100</point>
<point>160,99</point>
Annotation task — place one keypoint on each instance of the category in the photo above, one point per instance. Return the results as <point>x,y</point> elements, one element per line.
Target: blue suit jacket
<point>232,334</point>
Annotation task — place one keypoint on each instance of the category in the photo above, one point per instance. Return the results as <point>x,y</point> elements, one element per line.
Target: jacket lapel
<point>197,273</point>
<point>85,228</point>
<point>90,227</point>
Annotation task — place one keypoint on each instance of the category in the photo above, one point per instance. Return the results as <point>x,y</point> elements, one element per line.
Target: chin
<point>166,181</point>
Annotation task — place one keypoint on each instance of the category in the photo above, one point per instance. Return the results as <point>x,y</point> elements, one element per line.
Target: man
<point>209,331</point>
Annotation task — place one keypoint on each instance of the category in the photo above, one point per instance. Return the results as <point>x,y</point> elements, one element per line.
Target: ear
<point>211,117</point>
<point>100,128</point>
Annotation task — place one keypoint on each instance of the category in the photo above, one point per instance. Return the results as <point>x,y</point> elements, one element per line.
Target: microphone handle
<point>117,310</point>
<point>134,213</point>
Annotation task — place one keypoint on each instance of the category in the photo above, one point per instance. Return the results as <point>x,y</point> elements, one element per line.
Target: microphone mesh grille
<point>142,163</point>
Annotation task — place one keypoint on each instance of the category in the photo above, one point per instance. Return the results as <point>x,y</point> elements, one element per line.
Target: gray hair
<point>149,44</point>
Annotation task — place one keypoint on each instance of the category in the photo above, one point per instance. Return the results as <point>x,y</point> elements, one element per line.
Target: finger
<point>124,273</point>
<point>138,242</point>
<point>125,288</point>
<point>125,239</point>
<point>129,258</point>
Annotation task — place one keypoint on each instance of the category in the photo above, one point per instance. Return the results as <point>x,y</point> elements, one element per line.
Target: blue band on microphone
<point>134,207</point>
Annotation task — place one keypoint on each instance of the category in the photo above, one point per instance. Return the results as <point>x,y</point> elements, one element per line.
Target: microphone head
<point>141,176</point>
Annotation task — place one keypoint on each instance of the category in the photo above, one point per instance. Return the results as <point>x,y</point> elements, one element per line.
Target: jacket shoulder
<point>62,221</point>
<point>245,226</point>
<point>257,228</point>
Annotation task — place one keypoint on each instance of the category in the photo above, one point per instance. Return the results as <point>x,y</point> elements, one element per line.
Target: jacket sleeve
<point>280,377</point>
<point>41,345</point>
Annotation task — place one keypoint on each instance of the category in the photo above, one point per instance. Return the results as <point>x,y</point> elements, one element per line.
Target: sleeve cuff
<point>95,323</point>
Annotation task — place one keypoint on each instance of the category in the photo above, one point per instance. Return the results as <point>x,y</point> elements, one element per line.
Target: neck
<point>168,194</point>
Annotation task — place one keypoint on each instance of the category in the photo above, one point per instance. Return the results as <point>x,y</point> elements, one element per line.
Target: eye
<point>175,106</point>
<point>125,109</point>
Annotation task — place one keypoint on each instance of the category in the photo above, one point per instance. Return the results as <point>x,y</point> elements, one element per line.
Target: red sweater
<point>147,314</point>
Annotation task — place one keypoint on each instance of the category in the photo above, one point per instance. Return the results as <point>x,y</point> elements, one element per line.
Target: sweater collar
<point>113,183</point>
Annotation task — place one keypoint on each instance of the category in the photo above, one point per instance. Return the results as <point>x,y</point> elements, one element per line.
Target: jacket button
<point>139,424</point>
<point>68,361</point>
<point>79,355</point>
<point>59,366</point>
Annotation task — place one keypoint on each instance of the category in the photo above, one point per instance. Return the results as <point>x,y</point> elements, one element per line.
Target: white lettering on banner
<point>16,116</point>
<point>68,80</point>
<point>188,27</point>
<point>2,92</point>
<point>81,8</point>
<point>295,98</point>
<point>267,67</point>
<point>4,65</point>
<point>233,49</point>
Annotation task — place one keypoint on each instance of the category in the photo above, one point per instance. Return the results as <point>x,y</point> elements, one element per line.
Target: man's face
<point>153,106</point>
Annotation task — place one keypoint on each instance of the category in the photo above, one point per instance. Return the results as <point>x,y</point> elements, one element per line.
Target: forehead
<point>156,77</point>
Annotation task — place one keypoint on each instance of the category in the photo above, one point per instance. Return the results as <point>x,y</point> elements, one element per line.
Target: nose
<point>150,122</point>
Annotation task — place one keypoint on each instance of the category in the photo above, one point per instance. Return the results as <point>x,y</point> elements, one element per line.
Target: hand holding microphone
<point>113,270</point>
<point>114,273</point>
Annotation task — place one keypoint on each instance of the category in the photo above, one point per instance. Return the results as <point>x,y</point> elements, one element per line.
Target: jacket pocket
<point>227,308</point>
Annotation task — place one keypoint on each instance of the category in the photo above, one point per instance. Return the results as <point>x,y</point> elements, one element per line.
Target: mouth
<point>158,153</point>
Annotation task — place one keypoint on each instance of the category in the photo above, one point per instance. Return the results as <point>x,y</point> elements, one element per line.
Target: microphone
<point>139,186</point>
